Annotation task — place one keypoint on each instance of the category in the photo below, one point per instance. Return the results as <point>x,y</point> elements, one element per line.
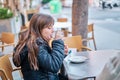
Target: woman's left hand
<point>65,49</point>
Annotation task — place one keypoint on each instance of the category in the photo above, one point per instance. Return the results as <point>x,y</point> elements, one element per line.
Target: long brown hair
<point>28,37</point>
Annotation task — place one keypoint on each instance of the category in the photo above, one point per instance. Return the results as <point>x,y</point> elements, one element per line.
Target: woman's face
<point>47,33</point>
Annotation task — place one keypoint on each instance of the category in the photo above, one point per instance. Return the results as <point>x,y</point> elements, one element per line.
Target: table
<point>60,25</point>
<point>91,67</point>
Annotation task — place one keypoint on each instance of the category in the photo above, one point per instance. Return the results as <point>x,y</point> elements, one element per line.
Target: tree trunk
<point>80,18</point>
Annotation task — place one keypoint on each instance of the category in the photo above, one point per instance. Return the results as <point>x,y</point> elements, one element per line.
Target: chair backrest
<point>6,67</point>
<point>91,37</point>
<point>7,37</point>
<point>27,24</point>
<point>2,75</point>
<point>61,19</point>
<point>74,42</point>
<point>24,28</point>
<point>90,28</point>
<point>29,13</point>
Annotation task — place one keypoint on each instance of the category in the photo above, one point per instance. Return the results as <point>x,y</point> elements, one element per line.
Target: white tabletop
<point>91,67</point>
<point>68,25</point>
<point>59,25</point>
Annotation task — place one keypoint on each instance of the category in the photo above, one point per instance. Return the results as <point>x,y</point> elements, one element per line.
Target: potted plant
<point>5,13</point>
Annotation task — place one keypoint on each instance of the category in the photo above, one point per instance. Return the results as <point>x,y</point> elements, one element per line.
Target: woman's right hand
<point>66,49</point>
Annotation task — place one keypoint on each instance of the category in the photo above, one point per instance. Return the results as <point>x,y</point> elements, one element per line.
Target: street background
<point>106,25</point>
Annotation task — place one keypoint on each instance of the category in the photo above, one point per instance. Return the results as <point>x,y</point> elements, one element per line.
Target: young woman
<point>33,54</point>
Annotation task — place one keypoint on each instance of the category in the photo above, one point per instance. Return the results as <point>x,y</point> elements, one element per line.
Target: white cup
<point>58,33</point>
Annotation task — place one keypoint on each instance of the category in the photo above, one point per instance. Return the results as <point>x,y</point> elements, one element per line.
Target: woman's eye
<point>49,27</point>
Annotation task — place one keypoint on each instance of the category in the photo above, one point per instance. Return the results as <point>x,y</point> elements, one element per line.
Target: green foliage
<point>45,1</point>
<point>5,13</point>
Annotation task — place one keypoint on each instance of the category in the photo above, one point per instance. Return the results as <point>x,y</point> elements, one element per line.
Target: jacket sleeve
<point>52,61</point>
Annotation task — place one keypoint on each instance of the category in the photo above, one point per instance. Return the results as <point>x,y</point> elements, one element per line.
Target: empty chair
<point>0,39</point>
<point>65,30</point>
<point>7,39</point>
<point>24,28</point>
<point>91,37</point>
<point>75,42</point>
<point>62,19</point>
<point>6,68</point>
<point>29,13</point>
<point>2,75</point>
<point>27,24</point>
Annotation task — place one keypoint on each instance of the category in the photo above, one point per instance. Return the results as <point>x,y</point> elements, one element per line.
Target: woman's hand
<point>65,49</point>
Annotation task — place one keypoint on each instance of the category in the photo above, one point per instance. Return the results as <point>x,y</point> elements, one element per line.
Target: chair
<point>65,30</point>
<point>27,24</point>
<point>0,39</point>
<point>24,28</point>
<point>2,75</point>
<point>29,13</point>
<point>62,19</point>
<point>6,68</point>
<point>7,39</point>
<point>91,31</point>
<point>75,42</point>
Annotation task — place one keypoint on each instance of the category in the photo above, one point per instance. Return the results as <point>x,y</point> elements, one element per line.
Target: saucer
<point>77,59</point>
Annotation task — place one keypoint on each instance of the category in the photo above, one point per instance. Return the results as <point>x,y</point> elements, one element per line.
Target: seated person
<point>38,61</point>
<point>111,70</point>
